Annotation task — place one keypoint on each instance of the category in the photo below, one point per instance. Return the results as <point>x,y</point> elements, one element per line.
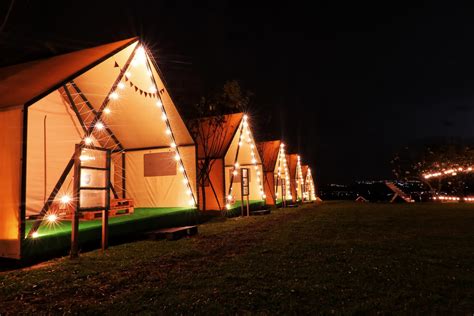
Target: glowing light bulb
<point>177,157</point>
<point>114,96</point>
<point>140,56</point>
<point>99,125</point>
<point>189,192</point>
<point>173,145</point>
<point>121,85</point>
<point>191,202</point>
<point>159,103</point>
<point>35,235</point>
<point>236,165</point>
<point>163,117</point>
<point>229,197</point>
<point>254,161</point>
<point>235,173</point>
<point>128,74</point>
<point>168,131</point>
<point>185,181</point>
<point>107,111</point>
<point>52,218</point>
<point>245,117</point>
<point>227,206</point>
<point>65,199</point>
<point>240,143</point>
<point>153,89</point>
<point>88,140</point>
<point>181,169</point>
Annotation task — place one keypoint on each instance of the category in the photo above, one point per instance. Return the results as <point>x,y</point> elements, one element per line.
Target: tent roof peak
<point>25,83</point>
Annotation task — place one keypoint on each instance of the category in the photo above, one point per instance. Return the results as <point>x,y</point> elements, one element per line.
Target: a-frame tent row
<point>296,177</point>
<point>226,148</point>
<point>109,97</point>
<point>276,177</point>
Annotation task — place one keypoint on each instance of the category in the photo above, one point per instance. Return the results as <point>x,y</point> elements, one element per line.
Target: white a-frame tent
<point>112,97</point>
<point>227,150</point>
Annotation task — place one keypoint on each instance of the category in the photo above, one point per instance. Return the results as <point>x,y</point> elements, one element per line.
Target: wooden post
<point>105,212</point>
<point>242,203</point>
<point>248,206</point>
<point>76,203</point>
<point>283,192</point>
<point>105,229</point>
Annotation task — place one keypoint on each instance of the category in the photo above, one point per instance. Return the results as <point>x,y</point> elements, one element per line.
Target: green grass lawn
<point>337,257</point>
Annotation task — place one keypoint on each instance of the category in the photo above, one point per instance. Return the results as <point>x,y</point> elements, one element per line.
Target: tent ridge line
<point>78,73</point>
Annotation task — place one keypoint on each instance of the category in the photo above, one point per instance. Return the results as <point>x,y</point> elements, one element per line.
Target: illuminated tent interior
<point>228,145</point>
<point>111,96</point>
<point>275,171</point>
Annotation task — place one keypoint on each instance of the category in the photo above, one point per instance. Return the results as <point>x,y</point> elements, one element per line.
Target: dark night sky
<point>346,84</point>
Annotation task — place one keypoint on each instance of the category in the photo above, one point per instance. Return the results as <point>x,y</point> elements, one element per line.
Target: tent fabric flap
<point>10,172</point>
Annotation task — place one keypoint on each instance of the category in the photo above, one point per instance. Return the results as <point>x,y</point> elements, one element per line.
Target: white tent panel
<point>135,119</point>
<point>157,191</point>
<point>245,156</point>
<point>236,187</point>
<point>244,159</point>
<point>48,154</point>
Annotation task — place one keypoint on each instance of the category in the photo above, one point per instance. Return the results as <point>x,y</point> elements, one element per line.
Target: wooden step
<point>260,212</point>
<point>173,233</point>
<point>121,202</point>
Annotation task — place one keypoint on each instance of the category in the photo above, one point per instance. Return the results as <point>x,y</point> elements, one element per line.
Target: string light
<point>107,111</point>
<point>114,96</point>
<point>88,140</point>
<point>52,218</point>
<point>66,199</point>
<point>121,85</point>
<point>159,103</point>
<point>99,125</point>
<point>447,172</point>
<point>35,234</point>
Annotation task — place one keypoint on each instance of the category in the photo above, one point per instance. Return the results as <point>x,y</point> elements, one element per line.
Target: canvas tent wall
<point>225,146</point>
<point>111,96</point>
<point>275,168</point>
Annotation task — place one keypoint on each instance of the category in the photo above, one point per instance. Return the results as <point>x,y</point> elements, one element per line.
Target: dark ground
<point>338,257</point>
